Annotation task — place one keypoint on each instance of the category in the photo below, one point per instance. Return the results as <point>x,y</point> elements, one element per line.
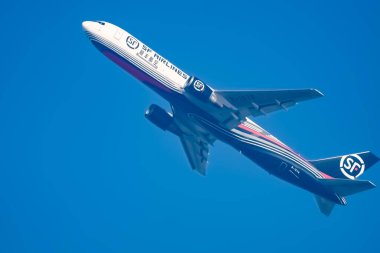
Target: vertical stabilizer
<point>346,166</point>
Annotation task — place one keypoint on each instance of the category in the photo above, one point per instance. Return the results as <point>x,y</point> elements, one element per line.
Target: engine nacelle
<point>160,117</point>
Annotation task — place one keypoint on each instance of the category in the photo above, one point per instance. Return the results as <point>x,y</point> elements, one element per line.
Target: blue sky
<point>82,170</point>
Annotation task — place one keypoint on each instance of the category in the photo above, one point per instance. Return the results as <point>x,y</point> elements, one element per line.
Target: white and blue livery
<point>200,115</point>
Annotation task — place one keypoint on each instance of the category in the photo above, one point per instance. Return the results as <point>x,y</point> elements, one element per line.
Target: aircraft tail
<point>325,206</point>
<point>347,187</point>
<point>342,188</point>
<point>347,166</point>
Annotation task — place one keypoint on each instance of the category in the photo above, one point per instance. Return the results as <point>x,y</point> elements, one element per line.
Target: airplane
<point>200,115</point>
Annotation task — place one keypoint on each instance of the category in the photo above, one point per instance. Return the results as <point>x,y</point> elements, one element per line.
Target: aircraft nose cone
<point>86,25</point>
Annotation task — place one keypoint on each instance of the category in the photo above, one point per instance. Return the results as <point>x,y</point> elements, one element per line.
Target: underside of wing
<point>197,152</point>
<point>261,102</point>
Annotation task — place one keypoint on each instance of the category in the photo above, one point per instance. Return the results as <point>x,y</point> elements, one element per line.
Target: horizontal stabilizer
<point>347,166</point>
<point>346,187</point>
<point>325,205</point>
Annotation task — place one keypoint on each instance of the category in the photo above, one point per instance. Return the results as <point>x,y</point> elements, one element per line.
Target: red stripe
<point>325,175</point>
<point>266,137</point>
<point>282,145</point>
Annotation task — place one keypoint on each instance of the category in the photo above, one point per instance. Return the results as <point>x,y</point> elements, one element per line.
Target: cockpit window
<point>101,22</point>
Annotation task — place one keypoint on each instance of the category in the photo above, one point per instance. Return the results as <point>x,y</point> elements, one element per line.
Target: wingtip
<point>375,158</point>
<point>326,214</point>
<point>372,158</point>
<point>201,172</point>
<point>318,93</point>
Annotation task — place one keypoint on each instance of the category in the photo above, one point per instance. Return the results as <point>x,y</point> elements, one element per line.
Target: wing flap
<point>197,152</point>
<point>261,102</point>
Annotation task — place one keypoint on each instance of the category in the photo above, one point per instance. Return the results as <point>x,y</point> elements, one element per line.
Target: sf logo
<point>132,42</point>
<point>352,166</point>
<point>199,86</point>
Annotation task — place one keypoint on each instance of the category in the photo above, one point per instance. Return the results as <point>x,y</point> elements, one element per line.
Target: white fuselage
<point>173,83</point>
<point>138,53</point>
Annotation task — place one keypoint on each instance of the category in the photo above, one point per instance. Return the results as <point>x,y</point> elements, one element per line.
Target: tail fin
<point>346,166</point>
<point>346,187</point>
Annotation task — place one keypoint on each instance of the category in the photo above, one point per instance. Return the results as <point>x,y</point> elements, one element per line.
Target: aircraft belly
<point>281,165</point>
<point>288,171</point>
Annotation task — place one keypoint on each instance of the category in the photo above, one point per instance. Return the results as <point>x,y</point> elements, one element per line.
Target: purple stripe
<point>130,68</point>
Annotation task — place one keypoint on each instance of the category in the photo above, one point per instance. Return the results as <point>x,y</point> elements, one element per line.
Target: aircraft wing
<point>261,102</point>
<point>197,151</point>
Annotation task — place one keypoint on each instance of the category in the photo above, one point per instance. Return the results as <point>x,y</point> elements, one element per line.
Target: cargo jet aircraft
<point>200,115</point>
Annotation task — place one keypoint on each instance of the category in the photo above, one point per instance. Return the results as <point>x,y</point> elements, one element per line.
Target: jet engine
<point>160,117</point>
